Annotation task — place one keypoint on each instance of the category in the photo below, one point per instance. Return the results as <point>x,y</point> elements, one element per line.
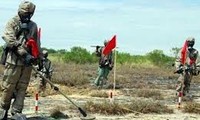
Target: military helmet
<point>105,42</point>
<point>45,53</point>
<point>26,7</point>
<point>191,41</point>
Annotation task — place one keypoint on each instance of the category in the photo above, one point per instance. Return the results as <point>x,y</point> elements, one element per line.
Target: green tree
<point>79,55</point>
<point>157,57</point>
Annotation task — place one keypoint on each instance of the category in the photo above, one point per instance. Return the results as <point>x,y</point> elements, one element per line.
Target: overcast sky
<point>140,25</point>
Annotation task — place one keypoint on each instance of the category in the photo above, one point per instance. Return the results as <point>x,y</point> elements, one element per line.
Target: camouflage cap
<point>105,42</point>
<point>44,52</point>
<point>26,6</point>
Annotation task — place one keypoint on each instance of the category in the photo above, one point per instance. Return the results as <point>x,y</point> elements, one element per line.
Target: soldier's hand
<point>110,66</point>
<point>179,70</point>
<point>97,47</point>
<point>28,59</point>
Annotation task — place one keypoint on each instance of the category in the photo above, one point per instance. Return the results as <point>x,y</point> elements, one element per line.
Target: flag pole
<point>115,60</point>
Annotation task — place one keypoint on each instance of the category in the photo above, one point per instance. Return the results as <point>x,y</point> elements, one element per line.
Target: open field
<point>143,93</point>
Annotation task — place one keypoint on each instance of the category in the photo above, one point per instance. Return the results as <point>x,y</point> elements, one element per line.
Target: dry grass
<point>106,108</point>
<point>150,93</point>
<point>102,94</point>
<point>149,106</point>
<point>141,106</point>
<point>72,74</point>
<point>192,107</point>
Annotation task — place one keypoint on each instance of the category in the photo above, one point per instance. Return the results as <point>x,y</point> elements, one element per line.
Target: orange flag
<point>110,46</point>
<point>184,52</point>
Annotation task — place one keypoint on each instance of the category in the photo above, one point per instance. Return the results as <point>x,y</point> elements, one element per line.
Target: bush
<point>79,55</point>
<point>157,57</point>
<point>127,58</point>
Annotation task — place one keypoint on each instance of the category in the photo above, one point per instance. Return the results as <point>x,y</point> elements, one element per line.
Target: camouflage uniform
<point>17,75</point>
<point>191,64</point>
<point>46,71</point>
<point>105,65</point>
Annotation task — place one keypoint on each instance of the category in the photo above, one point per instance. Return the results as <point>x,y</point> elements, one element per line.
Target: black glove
<point>28,59</point>
<point>97,47</point>
<point>179,70</point>
<point>40,64</point>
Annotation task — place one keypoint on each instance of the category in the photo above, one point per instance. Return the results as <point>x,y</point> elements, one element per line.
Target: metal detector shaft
<point>57,89</point>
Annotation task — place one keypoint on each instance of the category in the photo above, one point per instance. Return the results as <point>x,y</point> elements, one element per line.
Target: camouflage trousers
<point>102,76</point>
<point>43,83</point>
<point>15,80</point>
<point>183,83</point>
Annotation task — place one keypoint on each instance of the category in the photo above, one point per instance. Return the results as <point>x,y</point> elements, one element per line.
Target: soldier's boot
<point>3,114</point>
<point>18,116</point>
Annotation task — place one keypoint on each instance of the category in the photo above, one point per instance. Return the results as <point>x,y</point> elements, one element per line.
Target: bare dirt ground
<point>130,79</point>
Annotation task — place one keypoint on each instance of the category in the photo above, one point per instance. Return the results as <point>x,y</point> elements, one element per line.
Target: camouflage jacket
<point>47,68</point>
<point>105,60</point>
<point>192,59</point>
<point>11,31</point>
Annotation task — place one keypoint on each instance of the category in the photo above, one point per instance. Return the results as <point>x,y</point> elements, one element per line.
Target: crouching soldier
<point>18,31</point>
<point>187,65</point>
<point>105,65</point>
<point>46,70</point>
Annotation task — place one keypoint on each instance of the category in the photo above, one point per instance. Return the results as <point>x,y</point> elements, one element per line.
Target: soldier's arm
<point>178,60</point>
<point>9,35</point>
<point>51,67</point>
<point>98,51</point>
<point>198,61</point>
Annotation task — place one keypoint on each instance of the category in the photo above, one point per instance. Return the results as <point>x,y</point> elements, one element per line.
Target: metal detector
<point>57,89</point>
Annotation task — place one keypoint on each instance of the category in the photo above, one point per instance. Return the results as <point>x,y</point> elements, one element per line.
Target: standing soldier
<point>18,31</point>
<point>105,65</point>
<point>187,65</point>
<point>46,70</point>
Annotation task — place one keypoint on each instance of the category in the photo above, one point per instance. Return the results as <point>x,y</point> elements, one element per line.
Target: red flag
<point>31,43</point>
<point>110,45</point>
<point>184,52</point>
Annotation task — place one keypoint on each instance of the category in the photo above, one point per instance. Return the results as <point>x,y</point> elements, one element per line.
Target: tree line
<point>81,55</point>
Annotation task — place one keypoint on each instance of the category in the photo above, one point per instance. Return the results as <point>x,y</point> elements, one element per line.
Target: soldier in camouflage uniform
<point>18,63</point>
<point>46,71</point>
<point>105,65</point>
<point>191,65</point>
